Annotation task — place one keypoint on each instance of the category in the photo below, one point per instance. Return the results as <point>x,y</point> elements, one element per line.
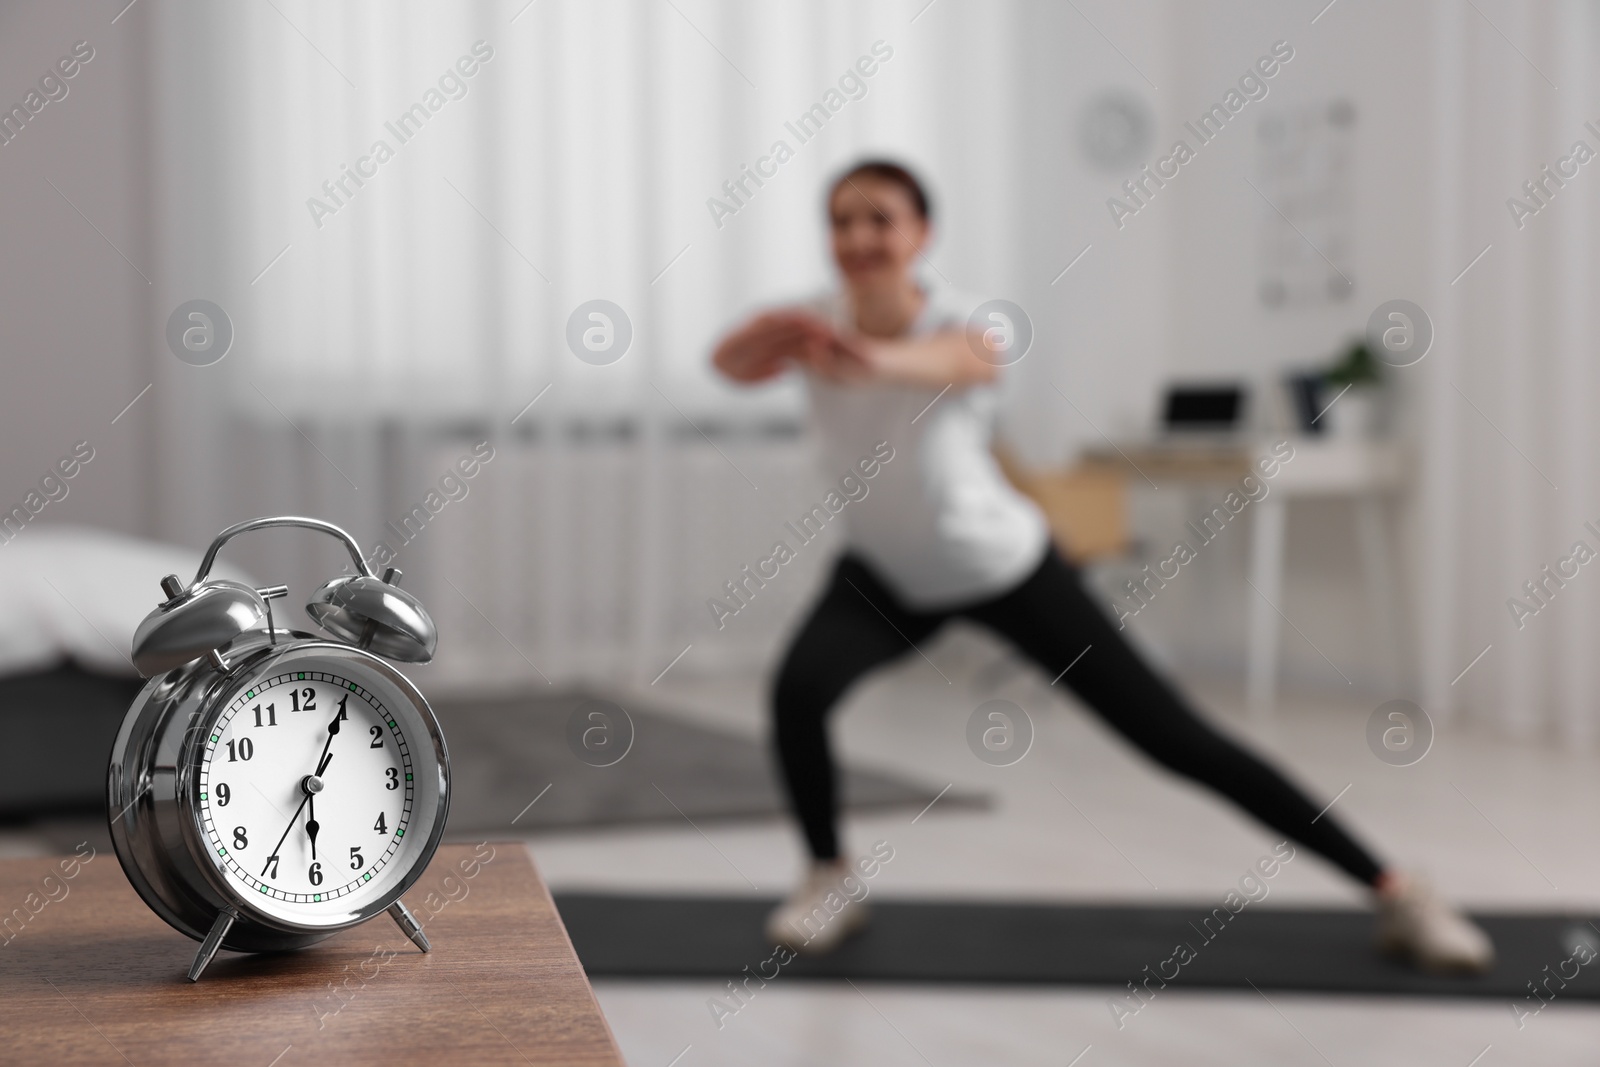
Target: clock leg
<point>213,941</point>
<point>409,926</point>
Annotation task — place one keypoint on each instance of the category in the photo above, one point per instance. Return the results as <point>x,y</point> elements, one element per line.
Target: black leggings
<point>859,624</point>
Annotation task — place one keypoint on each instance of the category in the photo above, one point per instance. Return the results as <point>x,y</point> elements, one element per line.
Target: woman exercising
<point>893,371</point>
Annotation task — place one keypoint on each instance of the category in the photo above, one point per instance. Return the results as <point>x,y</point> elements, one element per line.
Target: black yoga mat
<point>1272,948</point>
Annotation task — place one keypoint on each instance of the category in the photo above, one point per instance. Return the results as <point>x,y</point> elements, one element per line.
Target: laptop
<point>1203,413</point>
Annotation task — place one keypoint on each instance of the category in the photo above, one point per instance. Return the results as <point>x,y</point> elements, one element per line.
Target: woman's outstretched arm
<point>763,347</point>
<point>949,357</point>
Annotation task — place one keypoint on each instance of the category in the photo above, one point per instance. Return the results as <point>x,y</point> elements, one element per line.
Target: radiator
<point>586,554</point>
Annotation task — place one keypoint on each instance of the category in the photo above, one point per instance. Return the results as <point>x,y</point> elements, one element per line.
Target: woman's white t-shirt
<point>940,522</point>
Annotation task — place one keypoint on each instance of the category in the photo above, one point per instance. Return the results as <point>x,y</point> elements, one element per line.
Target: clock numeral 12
<point>310,703</point>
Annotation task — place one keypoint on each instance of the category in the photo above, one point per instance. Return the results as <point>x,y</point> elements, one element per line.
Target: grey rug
<point>506,755</point>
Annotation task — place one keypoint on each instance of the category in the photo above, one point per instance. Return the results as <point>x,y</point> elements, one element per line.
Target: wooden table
<point>92,976</point>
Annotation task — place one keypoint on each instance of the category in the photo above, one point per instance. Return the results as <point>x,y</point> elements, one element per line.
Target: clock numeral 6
<point>240,840</point>
<point>356,862</point>
<point>316,874</point>
<point>393,776</point>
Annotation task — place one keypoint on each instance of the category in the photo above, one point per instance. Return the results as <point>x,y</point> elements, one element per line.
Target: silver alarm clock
<point>269,787</point>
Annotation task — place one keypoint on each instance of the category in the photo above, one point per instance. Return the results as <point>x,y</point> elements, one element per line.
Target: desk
<point>1367,472</point>
<point>95,978</point>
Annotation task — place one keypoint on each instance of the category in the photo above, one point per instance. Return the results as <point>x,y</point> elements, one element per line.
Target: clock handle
<point>213,941</point>
<point>409,926</point>
<point>281,520</point>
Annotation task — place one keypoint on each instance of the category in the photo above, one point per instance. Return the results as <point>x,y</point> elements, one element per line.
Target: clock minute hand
<point>311,784</point>
<point>312,826</point>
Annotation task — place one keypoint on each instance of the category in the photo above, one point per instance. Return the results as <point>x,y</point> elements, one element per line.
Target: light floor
<point>1494,823</point>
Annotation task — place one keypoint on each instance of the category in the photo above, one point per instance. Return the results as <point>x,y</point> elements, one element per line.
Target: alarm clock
<point>269,787</point>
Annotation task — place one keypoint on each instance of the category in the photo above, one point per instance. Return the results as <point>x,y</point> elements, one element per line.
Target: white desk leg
<point>1382,593</point>
<point>1266,573</point>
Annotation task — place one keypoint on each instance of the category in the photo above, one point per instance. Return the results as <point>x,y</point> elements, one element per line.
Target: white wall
<point>1172,294</point>
<point>192,138</point>
<point>73,310</point>
<point>1217,326</point>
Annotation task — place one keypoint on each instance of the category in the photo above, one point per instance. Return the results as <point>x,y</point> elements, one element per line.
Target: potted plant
<point>1355,380</point>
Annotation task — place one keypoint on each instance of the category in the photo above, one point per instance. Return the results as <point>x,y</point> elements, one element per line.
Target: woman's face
<point>877,232</point>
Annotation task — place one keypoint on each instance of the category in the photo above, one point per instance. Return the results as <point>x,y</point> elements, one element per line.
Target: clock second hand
<point>286,829</point>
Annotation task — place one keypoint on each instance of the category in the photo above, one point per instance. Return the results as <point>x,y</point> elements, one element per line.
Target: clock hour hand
<point>333,729</point>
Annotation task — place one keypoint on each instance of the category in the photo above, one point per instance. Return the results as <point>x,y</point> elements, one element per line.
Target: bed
<point>70,600</point>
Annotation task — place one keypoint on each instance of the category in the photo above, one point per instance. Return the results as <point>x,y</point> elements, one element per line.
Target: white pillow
<point>75,592</point>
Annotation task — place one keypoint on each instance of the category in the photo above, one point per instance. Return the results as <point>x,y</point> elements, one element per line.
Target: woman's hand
<point>764,346</point>
<point>841,360</point>
<point>949,357</point>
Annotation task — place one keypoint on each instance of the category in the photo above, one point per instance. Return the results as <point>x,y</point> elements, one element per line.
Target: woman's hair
<point>889,171</point>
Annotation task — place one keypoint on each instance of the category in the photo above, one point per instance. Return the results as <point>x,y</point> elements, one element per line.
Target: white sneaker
<point>1423,929</point>
<point>819,915</point>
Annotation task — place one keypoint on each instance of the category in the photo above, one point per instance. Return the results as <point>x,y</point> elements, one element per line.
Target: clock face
<point>306,789</point>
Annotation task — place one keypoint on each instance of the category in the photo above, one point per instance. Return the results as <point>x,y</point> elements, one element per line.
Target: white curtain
<point>430,308</point>
<point>389,320</point>
<point>1509,392</point>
